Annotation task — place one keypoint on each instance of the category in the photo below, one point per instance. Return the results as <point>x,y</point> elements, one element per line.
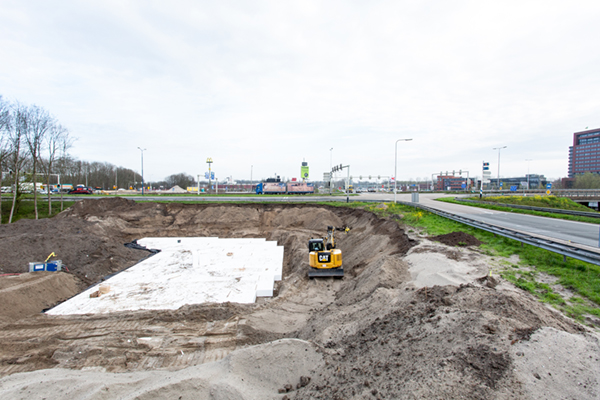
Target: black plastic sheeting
<point>134,245</point>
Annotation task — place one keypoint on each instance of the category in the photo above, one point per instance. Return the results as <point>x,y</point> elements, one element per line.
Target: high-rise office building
<point>584,155</point>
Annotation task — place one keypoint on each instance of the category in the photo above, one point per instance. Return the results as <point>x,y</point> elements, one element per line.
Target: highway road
<point>569,231</point>
<point>581,233</point>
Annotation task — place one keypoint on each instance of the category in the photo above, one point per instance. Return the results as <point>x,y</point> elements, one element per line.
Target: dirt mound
<point>430,341</point>
<point>457,239</point>
<point>86,251</point>
<point>30,293</point>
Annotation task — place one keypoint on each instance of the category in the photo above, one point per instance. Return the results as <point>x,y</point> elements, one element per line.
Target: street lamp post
<point>498,148</point>
<point>528,161</point>
<point>209,162</point>
<point>330,168</point>
<point>142,150</point>
<point>396,164</point>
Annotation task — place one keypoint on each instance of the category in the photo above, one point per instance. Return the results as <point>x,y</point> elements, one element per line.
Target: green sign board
<point>304,172</point>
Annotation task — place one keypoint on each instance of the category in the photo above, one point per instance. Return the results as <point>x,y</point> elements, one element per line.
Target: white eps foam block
<point>187,271</point>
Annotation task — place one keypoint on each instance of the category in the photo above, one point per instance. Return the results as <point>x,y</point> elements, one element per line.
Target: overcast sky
<point>263,85</point>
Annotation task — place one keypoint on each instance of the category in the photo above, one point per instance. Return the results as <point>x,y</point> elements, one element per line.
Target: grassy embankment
<point>582,278</point>
<point>25,210</point>
<point>561,203</point>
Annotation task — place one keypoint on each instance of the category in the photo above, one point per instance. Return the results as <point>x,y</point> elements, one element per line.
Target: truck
<point>271,188</point>
<point>300,188</point>
<point>275,186</point>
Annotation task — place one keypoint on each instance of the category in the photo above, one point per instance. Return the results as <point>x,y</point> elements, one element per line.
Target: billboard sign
<point>304,171</point>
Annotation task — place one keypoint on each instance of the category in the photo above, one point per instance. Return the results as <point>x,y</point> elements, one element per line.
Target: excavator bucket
<point>325,272</point>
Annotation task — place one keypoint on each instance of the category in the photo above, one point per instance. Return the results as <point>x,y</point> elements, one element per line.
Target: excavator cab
<point>316,245</point>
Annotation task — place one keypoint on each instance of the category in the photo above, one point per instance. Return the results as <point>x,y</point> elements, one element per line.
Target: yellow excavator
<point>323,257</point>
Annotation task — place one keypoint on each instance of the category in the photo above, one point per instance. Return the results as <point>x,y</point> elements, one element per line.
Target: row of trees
<point>31,140</point>
<point>101,175</point>
<point>589,180</point>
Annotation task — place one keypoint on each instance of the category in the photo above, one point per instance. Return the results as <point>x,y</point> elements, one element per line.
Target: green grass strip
<point>520,211</point>
<point>562,203</point>
<point>25,209</point>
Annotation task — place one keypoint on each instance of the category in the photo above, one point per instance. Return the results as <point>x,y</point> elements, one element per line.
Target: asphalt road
<point>576,232</point>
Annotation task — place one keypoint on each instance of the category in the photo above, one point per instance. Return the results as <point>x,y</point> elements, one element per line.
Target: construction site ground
<point>412,318</point>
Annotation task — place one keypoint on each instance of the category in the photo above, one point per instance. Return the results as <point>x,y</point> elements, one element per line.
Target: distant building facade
<point>584,155</point>
<point>535,181</point>
<point>451,182</point>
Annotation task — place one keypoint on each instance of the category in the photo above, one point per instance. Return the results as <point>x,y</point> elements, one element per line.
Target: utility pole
<point>498,148</point>
<point>142,150</point>
<point>348,185</point>
<point>330,169</point>
<point>339,168</point>
<point>209,161</point>
<point>528,161</point>
<point>396,164</point>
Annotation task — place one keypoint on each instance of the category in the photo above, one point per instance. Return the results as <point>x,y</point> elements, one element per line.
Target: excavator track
<point>323,273</point>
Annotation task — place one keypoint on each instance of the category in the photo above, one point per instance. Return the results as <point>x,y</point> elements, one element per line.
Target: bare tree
<point>57,143</point>
<point>39,123</point>
<point>5,122</point>
<point>17,157</point>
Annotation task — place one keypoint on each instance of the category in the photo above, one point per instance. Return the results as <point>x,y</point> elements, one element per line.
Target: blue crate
<point>46,266</point>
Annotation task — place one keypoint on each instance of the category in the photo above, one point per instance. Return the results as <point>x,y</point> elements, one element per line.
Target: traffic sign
<point>548,186</point>
<point>513,188</point>
<point>548,192</point>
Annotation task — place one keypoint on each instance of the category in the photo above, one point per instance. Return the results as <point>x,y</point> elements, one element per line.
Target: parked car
<point>81,190</point>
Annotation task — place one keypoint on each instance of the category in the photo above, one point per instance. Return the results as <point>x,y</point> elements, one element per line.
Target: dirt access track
<point>411,319</point>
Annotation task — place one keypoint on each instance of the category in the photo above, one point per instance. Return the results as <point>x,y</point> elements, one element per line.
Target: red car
<point>81,190</point>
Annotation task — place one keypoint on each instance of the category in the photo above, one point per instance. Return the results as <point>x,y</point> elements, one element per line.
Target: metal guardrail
<point>576,192</point>
<point>565,250</point>
<point>532,208</point>
<point>573,193</point>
